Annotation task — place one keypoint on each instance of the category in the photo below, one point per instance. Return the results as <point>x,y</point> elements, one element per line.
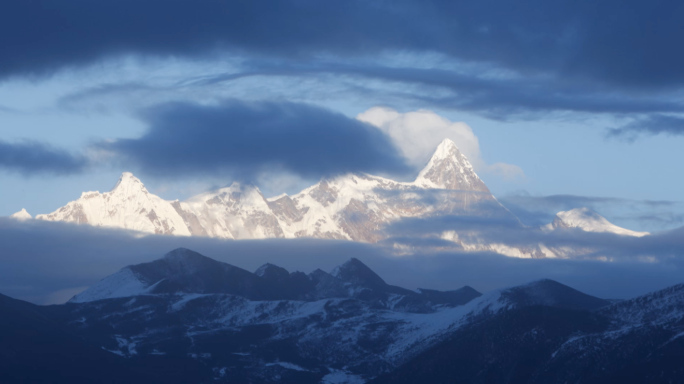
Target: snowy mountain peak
<point>590,221</point>
<point>21,215</point>
<point>445,149</point>
<point>128,185</point>
<point>448,168</point>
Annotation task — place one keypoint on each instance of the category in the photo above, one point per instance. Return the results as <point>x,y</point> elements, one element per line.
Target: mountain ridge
<point>350,329</point>
<point>352,206</point>
<point>355,207</point>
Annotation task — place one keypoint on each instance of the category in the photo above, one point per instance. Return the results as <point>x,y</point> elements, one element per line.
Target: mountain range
<point>357,207</point>
<point>186,318</point>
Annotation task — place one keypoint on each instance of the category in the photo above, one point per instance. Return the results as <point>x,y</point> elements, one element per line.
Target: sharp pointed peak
<point>127,181</point>
<point>350,263</point>
<point>448,168</point>
<point>355,271</point>
<point>447,143</point>
<point>448,149</point>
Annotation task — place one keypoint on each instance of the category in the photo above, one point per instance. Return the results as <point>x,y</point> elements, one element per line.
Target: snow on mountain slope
<point>590,221</point>
<point>372,326</point>
<point>128,205</point>
<point>236,212</point>
<point>21,215</point>
<point>449,169</point>
<point>357,206</point>
<point>353,207</point>
<point>123,283</point>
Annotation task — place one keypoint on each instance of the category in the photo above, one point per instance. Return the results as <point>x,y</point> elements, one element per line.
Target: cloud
<point>31,158</point>
<point>661,247</point>
<point>651,124</point>
<point>492,58</point>
<point>579,39</point>
<point>418,133</point>
<point>508,172</point>
<point>44,262</point>
<point>244,139</point>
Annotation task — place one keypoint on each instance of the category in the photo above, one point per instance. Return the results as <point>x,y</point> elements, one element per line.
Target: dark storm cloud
<point>613,57</point>
<point>47,262</point>
<point>623,42</point>
<point>31,158</point>
<point>245,138</point>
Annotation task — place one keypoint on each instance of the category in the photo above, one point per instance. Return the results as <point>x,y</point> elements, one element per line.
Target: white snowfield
<point>123,283</point>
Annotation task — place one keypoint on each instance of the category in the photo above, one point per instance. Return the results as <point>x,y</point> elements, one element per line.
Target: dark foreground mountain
<point>38,349</point>
<point>634,341</point>
<point>187,318</point>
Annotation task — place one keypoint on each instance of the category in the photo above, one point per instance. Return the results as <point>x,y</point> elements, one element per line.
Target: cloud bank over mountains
<point>245,138</point>
<point>49,262</point>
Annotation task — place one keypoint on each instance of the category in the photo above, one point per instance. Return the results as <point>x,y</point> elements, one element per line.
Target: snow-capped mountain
<point>353,206</point>
<point>21,215</point>
<point>357,207</point>
<point>589,221</point>
<point>128,205</point>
